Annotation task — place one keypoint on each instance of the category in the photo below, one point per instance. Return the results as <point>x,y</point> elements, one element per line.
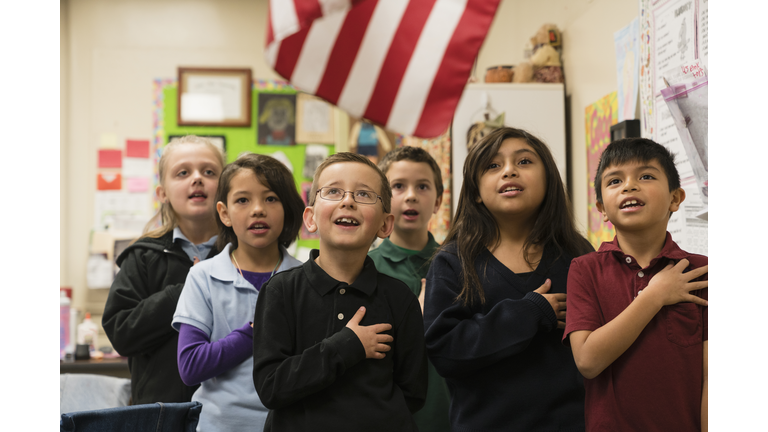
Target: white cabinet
<point>535,107</point>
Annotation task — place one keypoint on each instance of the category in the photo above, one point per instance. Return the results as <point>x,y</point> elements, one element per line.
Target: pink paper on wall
<point>110,158</point>
<point>137,184</point>
<point>137,148</point>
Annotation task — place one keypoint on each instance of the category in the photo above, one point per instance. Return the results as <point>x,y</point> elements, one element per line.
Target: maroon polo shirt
<point>656,384</point>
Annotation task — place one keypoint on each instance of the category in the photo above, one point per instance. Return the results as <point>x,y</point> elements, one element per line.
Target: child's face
<point>515,181</point>
<point>254,212</point>
<point>414,196</point>
<point>636,196</point>
<point>347,225</point>
<point>190,181</point>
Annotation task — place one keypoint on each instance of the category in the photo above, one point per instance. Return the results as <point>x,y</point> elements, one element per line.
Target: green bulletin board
<point>242,139</point>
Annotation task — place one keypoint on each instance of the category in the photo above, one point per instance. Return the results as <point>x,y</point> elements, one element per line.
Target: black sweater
<point>138,314</point>
<point>503,360</point>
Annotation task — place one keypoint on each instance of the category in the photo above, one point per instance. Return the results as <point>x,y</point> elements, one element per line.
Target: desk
<point>116,367</point>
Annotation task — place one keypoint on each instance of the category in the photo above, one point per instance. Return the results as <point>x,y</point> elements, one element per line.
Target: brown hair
<point>413,154</point>
<point>168,217</point>
<point>385,193</point>
<point>273,174</point>
<point>474,228</point>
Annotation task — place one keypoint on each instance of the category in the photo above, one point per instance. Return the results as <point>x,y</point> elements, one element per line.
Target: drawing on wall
<point>314,155</point>
<point>369,140</point>
<point>598,119</point>
<point>314,120</point>
<point>277,119</point>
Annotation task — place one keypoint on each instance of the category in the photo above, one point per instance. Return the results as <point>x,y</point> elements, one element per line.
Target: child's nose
<point>258,208</point>
<point>510,170</point>
<point>410,193</point>
<point>349,198</point>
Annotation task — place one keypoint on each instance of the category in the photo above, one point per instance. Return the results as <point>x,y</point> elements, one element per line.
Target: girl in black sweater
<point>494,310</point>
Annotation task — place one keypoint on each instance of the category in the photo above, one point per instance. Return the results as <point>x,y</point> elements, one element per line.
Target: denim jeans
<point>156,417</point>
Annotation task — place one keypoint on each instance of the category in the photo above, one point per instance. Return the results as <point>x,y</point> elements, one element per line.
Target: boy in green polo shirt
<point>417,191</point>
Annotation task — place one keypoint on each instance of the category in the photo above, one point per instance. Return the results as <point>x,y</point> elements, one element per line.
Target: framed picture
<point>277,119</point>
<point>214,97</point>
<point>314,120</point>
<point>220,141</point>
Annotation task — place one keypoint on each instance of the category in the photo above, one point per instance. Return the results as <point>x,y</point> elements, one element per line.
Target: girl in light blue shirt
<point>260,214</point>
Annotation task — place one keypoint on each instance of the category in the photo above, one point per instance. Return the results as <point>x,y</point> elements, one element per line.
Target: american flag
<point>402,64</point>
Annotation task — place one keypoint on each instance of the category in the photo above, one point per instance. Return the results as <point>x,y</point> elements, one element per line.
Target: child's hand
<point>421,295</point>
<point>373,342</point>
<point>195,260</point>
<point>557,301</point>
<point>672,286</point>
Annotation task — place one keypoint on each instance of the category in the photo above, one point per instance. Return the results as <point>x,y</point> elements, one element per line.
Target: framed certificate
<point>214,97</point>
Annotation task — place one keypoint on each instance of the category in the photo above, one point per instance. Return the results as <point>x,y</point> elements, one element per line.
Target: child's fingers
<point>382,348</point>
<point>378,328</point>
<point>697,300</point>
<point>561,324</point>
<point>384,338</point>
<point>682,264</point>
<point>355,320</point>
<point>693,286</point>
<point>544,287</point>
<point>697,272</point>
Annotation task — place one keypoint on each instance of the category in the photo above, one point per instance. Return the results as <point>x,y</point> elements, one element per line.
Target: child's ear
<point>160,192</point>
<point>678,196</point>
<point>438,201</point>
<point>387,226</point>
<point>309,219</point>
<point>221,208</point>
<point>601,209</point>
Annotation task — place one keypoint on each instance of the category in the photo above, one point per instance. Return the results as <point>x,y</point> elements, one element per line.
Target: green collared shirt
<point>397,262</point>
<point>410,268</point>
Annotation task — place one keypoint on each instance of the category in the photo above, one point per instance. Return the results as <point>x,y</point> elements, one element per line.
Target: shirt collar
<point>224,270</point>
<point>670,249</point>
<point>323,283</point>
<point>178,235</point>
<point>396,254</point>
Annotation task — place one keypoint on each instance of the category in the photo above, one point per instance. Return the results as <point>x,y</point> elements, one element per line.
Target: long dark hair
<point>474,227</point>
<point>274,175</point>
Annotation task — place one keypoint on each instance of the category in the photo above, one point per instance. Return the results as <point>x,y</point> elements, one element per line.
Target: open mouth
<point>510,188</point>
<point>631,203</point>
<point>346,221</point>
<point>411,212</point>
<point>258,226</point>
<point>198,194</point>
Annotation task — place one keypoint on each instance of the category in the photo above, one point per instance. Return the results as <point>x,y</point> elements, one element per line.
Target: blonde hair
<point>167,216</point>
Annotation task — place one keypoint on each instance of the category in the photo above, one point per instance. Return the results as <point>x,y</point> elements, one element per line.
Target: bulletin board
<point>245,139</point>
<point>674,39</point>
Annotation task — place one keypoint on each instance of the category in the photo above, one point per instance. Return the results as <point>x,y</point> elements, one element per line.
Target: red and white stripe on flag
<point>402,64</point>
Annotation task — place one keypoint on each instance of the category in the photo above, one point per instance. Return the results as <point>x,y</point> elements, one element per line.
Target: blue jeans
<point>156,417</point>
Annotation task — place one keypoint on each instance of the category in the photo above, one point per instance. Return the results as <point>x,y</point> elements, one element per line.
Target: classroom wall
<point>111,51</point>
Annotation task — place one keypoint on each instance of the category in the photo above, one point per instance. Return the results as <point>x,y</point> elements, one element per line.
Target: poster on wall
<point>598,117</point>
<point>277,119</point>
<point>314,120</point>
<point>627,44</point>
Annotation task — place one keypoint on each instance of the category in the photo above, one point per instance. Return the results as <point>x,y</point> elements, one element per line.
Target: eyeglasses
<point>360,196</point>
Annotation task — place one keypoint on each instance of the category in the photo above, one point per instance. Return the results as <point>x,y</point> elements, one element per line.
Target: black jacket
<point>138,314</point>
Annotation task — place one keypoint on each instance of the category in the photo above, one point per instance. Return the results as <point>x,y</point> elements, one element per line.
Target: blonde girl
<point>260,214</point>
<point>143,296</point>
<point>494,310</point>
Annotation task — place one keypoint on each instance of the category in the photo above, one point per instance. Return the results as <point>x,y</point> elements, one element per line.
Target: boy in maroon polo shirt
<point>637,308</point>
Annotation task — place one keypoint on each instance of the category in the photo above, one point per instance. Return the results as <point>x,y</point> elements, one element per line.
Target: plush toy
<point>544,65</point>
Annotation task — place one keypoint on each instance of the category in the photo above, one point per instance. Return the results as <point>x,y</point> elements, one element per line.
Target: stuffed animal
<point>544,65</point>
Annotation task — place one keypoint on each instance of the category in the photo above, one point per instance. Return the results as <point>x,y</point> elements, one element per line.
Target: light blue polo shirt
<point>192,250</point>
<point>218,300</point>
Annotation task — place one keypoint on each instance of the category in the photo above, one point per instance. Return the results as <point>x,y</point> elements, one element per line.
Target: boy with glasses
<point>338,345</point>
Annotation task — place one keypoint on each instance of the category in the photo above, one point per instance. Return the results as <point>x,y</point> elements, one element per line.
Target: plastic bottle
<point>88,333</point>
<point>63,323</point>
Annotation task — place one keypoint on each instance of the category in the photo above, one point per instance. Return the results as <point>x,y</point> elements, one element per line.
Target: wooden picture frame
<point>314,120</point>
<point>214,96</point>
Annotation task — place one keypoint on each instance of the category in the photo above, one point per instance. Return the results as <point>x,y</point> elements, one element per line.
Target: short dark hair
<point>385,192</point>
<point>413,154</point>
<point>273,174</point>
<point>636,150</point>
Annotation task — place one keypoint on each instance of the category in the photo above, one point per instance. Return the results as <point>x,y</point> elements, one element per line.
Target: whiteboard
<point>538,108</point>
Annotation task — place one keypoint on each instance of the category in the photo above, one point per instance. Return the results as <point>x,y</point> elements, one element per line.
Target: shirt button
<point>640,274</point>
<point>341,316</point>
<point>342,291</point>
<point>629,260</point>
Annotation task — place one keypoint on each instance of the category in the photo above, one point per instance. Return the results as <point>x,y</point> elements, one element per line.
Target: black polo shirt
<point>310,370</point>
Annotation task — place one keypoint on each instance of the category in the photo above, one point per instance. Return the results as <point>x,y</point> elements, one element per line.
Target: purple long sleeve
<point>200,359</point>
